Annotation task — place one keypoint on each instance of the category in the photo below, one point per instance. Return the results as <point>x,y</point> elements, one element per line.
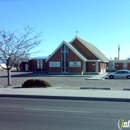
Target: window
<point>119,72</point>
<point>124,65</point>
<point>39,64</point>
<point>125,72</point>
<point>66,48</point>
<point>64,56</point>
<point>62,48</point>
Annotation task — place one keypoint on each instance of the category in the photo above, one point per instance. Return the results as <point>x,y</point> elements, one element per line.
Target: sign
<point>74,64</point>
<point>54,64</point>
<point>122,124</point>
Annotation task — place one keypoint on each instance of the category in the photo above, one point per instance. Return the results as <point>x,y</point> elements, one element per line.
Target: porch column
<point>84,66</point>
<point>96,66</point>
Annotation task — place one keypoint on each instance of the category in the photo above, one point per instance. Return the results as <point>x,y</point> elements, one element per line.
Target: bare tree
<point>17,64</point>
<point>15,45</point>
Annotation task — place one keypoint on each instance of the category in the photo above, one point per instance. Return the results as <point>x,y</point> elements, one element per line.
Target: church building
<point>75,57</point>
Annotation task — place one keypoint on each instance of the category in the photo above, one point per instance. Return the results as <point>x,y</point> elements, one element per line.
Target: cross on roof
<point>76,32</point>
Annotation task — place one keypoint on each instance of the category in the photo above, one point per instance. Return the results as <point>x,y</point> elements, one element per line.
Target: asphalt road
<point>65,82</point>
<point>39,114</point>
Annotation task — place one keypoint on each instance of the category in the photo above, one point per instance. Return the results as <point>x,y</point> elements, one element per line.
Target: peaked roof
<point>70,46</point>
<point>92,48</point>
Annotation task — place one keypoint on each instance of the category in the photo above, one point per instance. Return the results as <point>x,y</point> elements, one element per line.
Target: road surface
<point>40,114</point>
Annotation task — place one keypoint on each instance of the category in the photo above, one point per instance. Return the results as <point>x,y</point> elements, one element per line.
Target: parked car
<point>119,74</point>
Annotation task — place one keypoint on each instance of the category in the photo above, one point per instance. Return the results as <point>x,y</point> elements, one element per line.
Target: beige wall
<point>119,64</point>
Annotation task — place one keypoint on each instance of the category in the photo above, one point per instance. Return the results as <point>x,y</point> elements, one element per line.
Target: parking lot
<point>65,81</point>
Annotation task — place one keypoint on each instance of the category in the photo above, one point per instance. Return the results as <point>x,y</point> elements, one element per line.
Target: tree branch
<point>3,67</point>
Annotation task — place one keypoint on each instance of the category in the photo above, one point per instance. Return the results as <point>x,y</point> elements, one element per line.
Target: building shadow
<point>25,74</point>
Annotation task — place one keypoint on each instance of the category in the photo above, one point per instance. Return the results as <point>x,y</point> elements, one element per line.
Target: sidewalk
<point>57,93</point>
<point>101,76</point>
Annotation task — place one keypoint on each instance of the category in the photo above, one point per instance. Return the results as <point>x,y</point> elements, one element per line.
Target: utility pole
<point>118,51</point>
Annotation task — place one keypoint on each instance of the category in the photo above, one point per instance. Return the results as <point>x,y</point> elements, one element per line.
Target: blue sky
<point>104,23</point>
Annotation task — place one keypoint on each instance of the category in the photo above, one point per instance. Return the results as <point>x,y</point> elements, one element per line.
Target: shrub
<point>39,69</point>
<point>35,83</point>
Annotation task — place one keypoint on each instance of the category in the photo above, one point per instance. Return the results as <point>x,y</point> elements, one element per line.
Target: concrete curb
<point>95,79</point>
<point>95,88</point>
<point>66,98</point>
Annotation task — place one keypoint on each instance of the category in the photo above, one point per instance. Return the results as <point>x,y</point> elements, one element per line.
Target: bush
<point>39,69</point>
<point>35,83</point>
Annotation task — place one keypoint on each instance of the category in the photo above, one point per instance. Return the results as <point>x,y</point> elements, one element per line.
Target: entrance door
<point>64,59</point>
<point>124,65</point>
<point>26,67</point>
